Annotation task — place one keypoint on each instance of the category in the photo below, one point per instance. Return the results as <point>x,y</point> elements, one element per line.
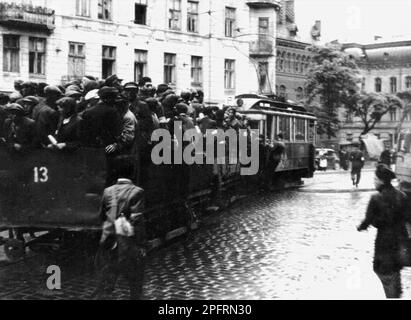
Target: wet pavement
<point>295,244</point>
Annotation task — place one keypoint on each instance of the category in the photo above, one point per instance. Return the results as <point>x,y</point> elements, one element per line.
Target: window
<point>37,55</point>
<point>229,74</point>
<point>140,65</point>
<point>140,12</point>
<point>300,132</point>
<point>284,127</point>
<point>408,82</point>
<point>11,53</point>
<point>77,58</point>
<point>174,17</point>
<point>350,136</point>
<point>263,75</point>
<point>362,84</point>
<point>378,85</point>
<point>283,92</point>
<point>197,71</point>
<point>105,9</point>
<point>393,115</point>
<point>263,32</point>
<point>192,16</point>
<point>83,8</point>
<point>299,93</point>
<point>109,61</point>
<point>229,22</point>
<point>393,85</point>
<point>170,68</point>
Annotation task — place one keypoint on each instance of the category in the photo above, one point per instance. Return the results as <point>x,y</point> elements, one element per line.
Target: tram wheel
<point>14,249</point>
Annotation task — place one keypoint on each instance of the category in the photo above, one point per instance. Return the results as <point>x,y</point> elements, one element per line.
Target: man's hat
<point>73,94</point>
<point>131,86</point>
<point>52,90</point>
<point>15,96</point>
<point>67,102</point>
<point>29,84</point>
<point>107,92</point>
<point>93,94</point>
<point>110,80</point>
<point>15,108</point>
<point>384,173</point>
<point>31,99</point>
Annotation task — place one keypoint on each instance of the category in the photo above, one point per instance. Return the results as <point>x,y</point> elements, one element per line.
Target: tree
<point>332,81</point>
<point>371,107</point>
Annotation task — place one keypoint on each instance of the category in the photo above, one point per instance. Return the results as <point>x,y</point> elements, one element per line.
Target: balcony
<point>258,4</point>
<point>262,48</point>
<point>27,17</point>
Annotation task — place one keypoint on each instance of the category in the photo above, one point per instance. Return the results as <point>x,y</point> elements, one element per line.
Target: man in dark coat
<point>387,212</point>
<point>46,115</point>
<point>18,128</point>
<point>385,157</point>
<point>122,250</point>
<point>102,123</point>
<point>357,163</point>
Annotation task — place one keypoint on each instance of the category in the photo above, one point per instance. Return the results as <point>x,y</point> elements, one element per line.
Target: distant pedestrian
<point>385,157</point>
<point>386,212</point>
<point>357,164</point>
<point>122,246</point>
<point>344,159</point>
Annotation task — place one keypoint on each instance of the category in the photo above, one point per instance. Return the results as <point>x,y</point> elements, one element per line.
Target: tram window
<point>300,134</point>
<point>284,127</point>
<point>269,126</point>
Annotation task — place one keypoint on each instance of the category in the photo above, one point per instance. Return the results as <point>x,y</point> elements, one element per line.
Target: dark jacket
<point>207,124</point>
<point>70,133</point>
<point>47,119</point>
<point>22,133</point>
<point>386,157</point>
<point>386,212</point>
<point>357,159</point>
<point>101,125</point>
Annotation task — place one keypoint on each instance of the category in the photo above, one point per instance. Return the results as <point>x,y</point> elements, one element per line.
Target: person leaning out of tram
<point>387,212</point>
<point>68,133</point>
<point>18,129</point>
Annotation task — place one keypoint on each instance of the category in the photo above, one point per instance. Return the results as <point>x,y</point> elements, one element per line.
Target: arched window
<point>299,93</point>
<point>378,85</point>
<point>393,84</point>
<point>283,91</point>
<point>288,62</point>
<point>297,64</point>
<point>408,82</point>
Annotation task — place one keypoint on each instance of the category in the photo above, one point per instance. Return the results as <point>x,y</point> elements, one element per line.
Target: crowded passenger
<point>68,133</point>
<point>18,129</point>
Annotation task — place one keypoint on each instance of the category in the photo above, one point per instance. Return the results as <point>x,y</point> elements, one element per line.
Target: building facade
<point>293,58</point>
<point>187,44</point>
<point>384,68</point>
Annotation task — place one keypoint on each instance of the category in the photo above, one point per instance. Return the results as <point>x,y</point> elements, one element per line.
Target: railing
<point>262,47</point>
<point>20,15</point>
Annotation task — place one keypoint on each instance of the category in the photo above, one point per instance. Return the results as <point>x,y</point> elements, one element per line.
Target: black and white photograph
<point>205,150</point>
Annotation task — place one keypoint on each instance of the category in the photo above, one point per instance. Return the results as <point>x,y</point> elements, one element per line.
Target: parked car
<point>333,160</point>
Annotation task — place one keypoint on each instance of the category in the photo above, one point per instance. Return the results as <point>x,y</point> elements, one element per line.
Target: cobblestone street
<point>298,244</point>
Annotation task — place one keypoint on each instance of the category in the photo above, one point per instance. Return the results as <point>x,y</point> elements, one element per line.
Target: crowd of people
<point>103,114</point>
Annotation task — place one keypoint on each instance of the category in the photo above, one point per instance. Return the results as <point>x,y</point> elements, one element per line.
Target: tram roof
<point>263,103</point>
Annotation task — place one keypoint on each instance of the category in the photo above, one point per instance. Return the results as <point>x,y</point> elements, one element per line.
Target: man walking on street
<point>357,163</point>
<point>122,245</point>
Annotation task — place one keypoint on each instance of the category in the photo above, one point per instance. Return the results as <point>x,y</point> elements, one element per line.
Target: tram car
<point>56,195</point>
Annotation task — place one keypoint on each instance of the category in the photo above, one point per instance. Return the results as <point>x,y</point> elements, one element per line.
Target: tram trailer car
<point>58,193</point>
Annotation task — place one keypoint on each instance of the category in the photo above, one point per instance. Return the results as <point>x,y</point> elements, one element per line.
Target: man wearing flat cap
<point>19,130</point>
<point>46,115</point>
<point>29,103</point>
<point>114,81</point>
<point>102,121</point>
<point>387,212</point>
